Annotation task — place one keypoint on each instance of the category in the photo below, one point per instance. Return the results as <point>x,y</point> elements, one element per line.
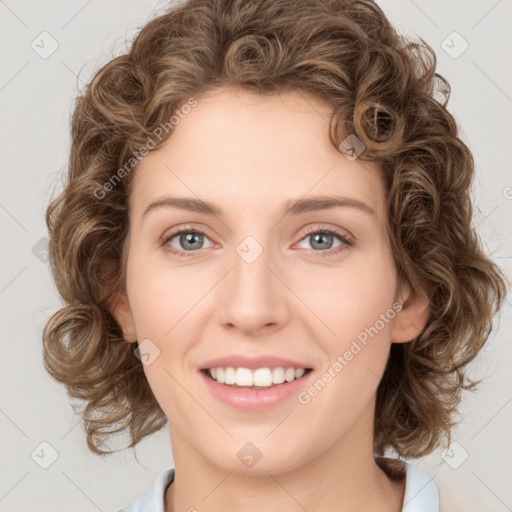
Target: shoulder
<point>421,492</point>
<point>153,497</point>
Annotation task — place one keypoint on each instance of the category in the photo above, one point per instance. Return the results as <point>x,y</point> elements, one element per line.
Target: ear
<point>120,309</point>
<point>118,304</point>
<point>413,316</point>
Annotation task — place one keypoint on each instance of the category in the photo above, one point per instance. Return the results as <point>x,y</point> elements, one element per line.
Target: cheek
<point>354,304</point>
<point>166,304</point>
<point>161,316</point>
<point>351,297</point>
<point>158,296</point>
<point>356,357</point>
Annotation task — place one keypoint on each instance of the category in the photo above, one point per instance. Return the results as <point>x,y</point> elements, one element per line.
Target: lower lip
<point>256,398</point>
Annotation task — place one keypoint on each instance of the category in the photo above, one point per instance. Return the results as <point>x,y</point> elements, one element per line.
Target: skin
<point>249,154</point>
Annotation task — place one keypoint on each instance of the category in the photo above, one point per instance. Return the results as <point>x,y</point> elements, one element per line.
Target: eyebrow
<point>290,207</point>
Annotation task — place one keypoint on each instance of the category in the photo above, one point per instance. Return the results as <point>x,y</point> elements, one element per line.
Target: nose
<point>253,297</point>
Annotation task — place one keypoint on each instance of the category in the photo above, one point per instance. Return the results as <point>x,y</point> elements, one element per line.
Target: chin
<point>256,458</point>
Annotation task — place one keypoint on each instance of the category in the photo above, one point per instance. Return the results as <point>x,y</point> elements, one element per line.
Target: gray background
<point>35,104</point>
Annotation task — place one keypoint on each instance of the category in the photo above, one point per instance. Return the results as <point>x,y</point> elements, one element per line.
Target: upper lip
<point>241,361</point>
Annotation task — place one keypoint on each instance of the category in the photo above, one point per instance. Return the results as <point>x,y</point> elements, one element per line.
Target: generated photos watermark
<point>305,397</point>
<point>151,142</point>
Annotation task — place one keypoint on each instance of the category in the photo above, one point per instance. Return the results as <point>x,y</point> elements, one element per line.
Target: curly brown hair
<point>382,87</point>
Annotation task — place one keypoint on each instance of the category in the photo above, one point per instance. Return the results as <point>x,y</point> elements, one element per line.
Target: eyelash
<point>323,254</point>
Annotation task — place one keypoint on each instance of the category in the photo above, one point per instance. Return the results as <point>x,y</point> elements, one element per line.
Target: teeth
<point>229,376</point>
<point>289,374</point>
<point>278,375</point>
<point>261,377</point>
<point>244,377</point>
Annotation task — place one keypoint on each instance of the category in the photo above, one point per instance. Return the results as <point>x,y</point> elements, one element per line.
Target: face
<point>314,285</point>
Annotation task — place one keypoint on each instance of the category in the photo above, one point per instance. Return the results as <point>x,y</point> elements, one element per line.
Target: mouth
<point>255,379</point>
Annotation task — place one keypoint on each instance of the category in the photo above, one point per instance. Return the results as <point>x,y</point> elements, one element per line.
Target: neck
<point>342,479</point>
<point>273,494</point>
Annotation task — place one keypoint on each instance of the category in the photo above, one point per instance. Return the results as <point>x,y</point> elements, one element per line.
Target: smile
<point>254,389</point>
<point>255,378</point>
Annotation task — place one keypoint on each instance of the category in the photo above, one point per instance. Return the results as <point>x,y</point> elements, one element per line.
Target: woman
<point>265,241</point>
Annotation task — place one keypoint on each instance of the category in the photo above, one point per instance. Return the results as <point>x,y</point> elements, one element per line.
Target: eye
<point>321,241</point>
<point>188,240</point>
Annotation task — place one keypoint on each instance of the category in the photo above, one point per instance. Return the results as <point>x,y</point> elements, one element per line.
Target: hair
<point>382,87</point>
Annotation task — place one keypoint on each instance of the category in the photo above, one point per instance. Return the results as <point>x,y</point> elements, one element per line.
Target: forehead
<point>253,151</point>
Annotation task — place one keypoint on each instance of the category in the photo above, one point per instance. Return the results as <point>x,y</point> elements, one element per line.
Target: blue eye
<point>318,237</point>
<point>191,241</point>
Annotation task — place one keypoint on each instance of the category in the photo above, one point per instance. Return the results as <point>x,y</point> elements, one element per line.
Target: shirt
<point>421,493</point>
